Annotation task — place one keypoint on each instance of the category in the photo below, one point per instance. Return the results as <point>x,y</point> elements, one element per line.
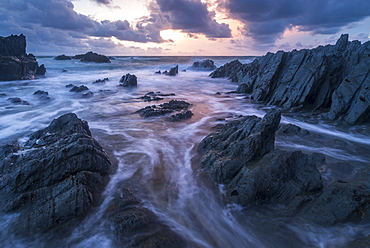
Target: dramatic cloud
<point>56,20</point>
<point>191,16</point>
<point>266,20</point>
<point>102,1</point>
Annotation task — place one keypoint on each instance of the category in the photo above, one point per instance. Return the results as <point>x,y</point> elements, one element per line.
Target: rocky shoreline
<point>332,81</point>
<point>54,179</point>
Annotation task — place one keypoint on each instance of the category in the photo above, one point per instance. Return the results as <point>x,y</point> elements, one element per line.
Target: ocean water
<point>160,156</point>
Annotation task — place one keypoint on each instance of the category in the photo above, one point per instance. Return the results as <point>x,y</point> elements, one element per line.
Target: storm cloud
<point>189,16</point>
<point>56,20</point>
<point>266,20</point>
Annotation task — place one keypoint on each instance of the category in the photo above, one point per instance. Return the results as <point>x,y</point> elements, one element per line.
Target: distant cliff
<point>331,80</point>
<point>15,63</point>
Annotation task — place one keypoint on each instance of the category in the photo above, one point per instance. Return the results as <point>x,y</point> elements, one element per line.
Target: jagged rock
<point>128,80</point>
<point>15,64</point>
<point>70,85</point>
<point>236,143</point>
<point>332,79</point>
<point>41,70</point>
<point>164,109</point>
<point>54,178</point>
<point>151,96</point>
<point>228,70</point>
<point>103,81</point>
<point>241,155</point>
<point>63,57</point>
<point>173,71</point>
<point>78,88</point>
<point>13,45</point>
<point>92,57</point>
<point>205,65</point>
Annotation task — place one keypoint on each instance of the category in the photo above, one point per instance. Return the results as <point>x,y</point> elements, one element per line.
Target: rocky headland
<point>332,81</point>
<point>15,63</point>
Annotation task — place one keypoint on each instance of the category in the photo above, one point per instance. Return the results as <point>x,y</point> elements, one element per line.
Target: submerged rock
<point>331,79</point>
<point>55,177</point>
<point>128,80</point>
<point>17,100</point>
<point>15,63</point>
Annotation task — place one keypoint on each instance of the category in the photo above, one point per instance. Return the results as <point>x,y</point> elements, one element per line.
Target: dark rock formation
<point>63,57</point>
<point>229,70</point>
<point>205,65</point>
<point>151,96</point>
<point>41,70</point>
<point>154,96</point>
<point>43,95</point>
<point>13,45</point>
<point>184,115</point>
<point>173,71</point>
<point>128,80</point>
<point>341,201</point>
<point>241,154</point>
<point>54,178</point>
<point>78,88</point>
<point>167,108</point>
<point>17,100</point>
<point>92,57</point>
<point>333,79</point>
<point>101,81</point>
<point>135,226</point>
<point>15,64</point>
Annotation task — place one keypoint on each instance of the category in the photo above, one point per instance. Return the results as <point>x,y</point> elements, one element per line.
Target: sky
<point>182,27</point>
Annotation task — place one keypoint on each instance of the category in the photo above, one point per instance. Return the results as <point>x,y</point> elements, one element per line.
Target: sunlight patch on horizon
<point>174,35</point>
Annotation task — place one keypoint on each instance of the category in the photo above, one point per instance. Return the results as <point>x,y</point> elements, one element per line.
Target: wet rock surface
<point>241,155</point>
<point>166,108</point>
<point>128,80</point>
<point>54,178</point>
<point>136,226</point>
<point>332,80</point>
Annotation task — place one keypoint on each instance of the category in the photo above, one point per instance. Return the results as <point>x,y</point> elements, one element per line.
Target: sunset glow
<point>166,27</point>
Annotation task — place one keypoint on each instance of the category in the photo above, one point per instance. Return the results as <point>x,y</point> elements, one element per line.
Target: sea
<point>161,156</point>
